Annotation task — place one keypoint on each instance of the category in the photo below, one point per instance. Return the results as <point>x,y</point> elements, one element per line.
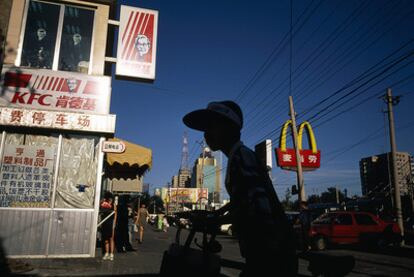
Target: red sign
<point>44,89</point>
<point>286,157</point>
<point>137,42</point>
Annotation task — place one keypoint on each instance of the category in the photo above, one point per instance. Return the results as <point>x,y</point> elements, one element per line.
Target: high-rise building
<point>207,174</point>
<point>376,175</point>
<point>183,179</point>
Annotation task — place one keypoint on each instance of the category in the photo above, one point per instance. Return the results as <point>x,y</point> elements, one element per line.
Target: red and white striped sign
<point>137,42</point>
<point>55,90</point>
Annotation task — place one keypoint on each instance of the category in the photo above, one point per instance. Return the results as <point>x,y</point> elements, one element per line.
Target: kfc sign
<point>137,43</point>
<point>55,90</point>
<point>286,157</point>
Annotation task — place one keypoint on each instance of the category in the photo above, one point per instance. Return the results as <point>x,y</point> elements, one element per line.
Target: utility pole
<point>169,197</point>
<point>299,171</point>
<point>394,101</point>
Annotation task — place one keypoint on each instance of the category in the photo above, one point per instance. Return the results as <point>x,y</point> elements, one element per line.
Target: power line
<point>270,59</point>
<point>281,109</point>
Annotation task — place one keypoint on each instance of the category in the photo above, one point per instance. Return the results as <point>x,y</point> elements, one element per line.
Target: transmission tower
<point>184,155</point>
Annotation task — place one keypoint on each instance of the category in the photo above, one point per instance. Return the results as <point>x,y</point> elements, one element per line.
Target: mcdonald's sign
<point>286,157</point>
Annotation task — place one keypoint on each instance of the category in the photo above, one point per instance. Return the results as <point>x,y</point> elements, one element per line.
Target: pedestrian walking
<point>266,239</point>
<point>142,216</point>
<point>305,220</point>
<point>108,211</point>
<point>122,230</point>
<point>165,224</point>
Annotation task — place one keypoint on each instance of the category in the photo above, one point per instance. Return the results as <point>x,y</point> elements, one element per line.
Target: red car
<point>349,227</point>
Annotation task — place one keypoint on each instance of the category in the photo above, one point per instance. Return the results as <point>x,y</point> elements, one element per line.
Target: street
<point>147,259</point>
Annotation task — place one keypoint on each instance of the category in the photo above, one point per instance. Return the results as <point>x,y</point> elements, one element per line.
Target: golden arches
<point>311,136</point>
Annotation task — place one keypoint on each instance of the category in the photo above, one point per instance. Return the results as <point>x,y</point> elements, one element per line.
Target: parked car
<point>349,227</point>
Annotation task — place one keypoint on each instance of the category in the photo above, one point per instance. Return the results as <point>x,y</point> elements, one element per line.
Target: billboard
<point>286,157</point>
<point>26,176</point>
<point>137,43</point>
<point>184,195</point>
<point>44,89</point>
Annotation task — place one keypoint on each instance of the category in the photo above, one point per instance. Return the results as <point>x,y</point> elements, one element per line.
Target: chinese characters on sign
<point>113,147</point>
<point>137,42</point>
<point>26,176</point>
<point>286,157</point>
<point>55,90</point>
<point>57,120</point>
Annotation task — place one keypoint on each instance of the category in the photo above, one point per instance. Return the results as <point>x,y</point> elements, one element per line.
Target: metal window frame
<point>55,63</point>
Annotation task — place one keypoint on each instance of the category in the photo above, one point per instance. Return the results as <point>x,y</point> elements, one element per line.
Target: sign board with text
<point>57,120</point>
<point>137,43</point>
<point>26,176</point>
<point>184,195</point>
<point>113,147</point>
<point>310,159</point>
<point>44,89</point>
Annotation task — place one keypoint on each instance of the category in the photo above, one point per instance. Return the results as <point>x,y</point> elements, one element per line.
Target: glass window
<point>43,31</point>
<point>77,172</point>
<point>364,219</point>
<point>75,47</point>
<point>27,170</point>
<point>324,219</point>
<point>343,219</point>
<point>40,35</point>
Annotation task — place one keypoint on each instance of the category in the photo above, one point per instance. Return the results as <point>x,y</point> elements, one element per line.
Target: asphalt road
<point>146,261</point>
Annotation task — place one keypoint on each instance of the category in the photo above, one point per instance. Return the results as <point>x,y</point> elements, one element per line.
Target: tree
<point>329,196</point>
<point>314,198</point>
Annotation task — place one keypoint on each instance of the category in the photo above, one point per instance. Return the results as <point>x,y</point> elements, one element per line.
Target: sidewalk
<point>145,261</point>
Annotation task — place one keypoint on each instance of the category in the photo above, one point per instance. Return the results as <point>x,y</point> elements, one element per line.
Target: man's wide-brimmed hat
<point>227,111</point>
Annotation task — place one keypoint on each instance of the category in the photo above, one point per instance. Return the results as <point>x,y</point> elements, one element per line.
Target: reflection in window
<point>27,169</point>
<point>77,172</point>
<point>75,48</point>
<point>40,35</point>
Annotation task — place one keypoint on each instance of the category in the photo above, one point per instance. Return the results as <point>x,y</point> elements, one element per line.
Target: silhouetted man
<point>266,238</point>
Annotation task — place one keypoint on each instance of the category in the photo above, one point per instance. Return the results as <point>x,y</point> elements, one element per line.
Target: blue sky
<point>240,50</point>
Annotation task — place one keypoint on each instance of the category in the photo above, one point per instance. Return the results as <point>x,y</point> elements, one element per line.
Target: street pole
<point>299,171</point>
<point>169,197</point>
<point>337,195</point>
<point>394,101</point>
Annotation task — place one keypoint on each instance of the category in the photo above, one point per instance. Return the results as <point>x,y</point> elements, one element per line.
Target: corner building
<point>54,118</point>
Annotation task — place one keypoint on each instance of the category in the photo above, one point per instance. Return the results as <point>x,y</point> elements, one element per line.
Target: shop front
<point>54,119</point>
<point>51,167</point>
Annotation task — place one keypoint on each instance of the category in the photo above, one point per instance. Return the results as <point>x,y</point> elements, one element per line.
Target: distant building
<point>182,180</point>
<point>376,176</point>
<point>207,174</point>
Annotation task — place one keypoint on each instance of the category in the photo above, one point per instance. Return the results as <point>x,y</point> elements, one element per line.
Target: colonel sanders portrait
<point>75,53</point>
<point>37,50</point>
<point>142,44</point>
